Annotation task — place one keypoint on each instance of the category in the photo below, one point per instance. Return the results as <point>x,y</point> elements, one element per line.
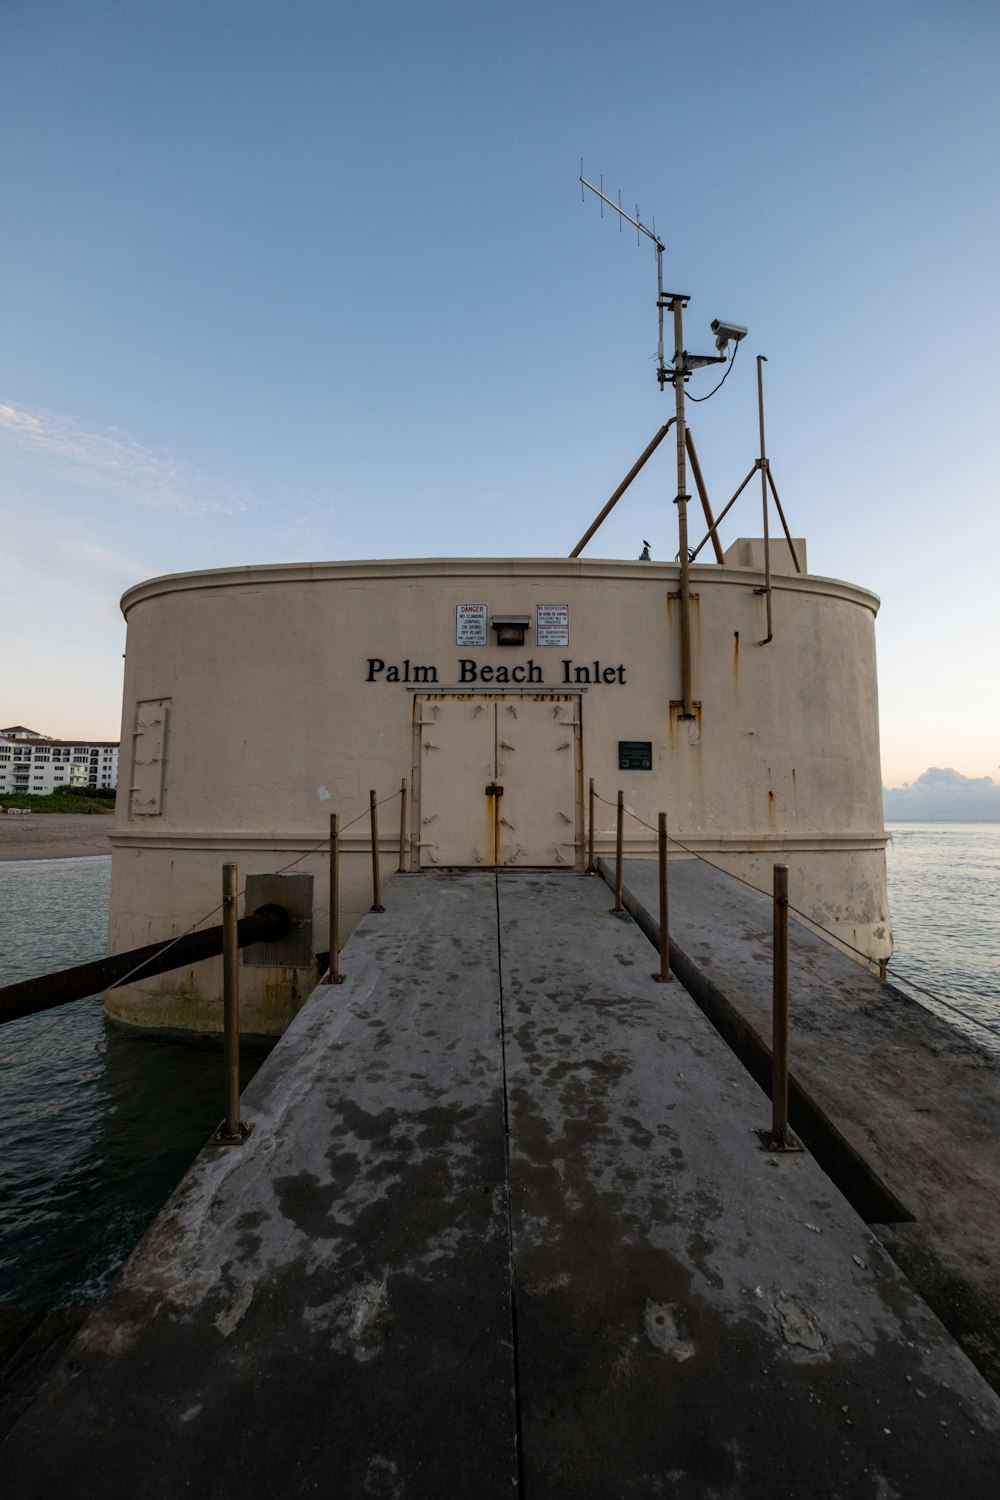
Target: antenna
<point>677,375</point>
<point>662,373</point>
<point>681,366</point>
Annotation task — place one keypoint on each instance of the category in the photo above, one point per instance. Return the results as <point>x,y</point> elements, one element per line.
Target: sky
<point>308,279</point>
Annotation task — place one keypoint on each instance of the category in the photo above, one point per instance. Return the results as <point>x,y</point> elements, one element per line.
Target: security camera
<point>726,331</point>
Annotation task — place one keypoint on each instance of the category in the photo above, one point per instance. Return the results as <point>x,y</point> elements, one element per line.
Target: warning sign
<point>551,624</point>
<point>472,624</point>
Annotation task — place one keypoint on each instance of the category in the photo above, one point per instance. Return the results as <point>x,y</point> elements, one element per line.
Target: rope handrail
<point>37,1035</point>
<point>946,1004</point>
<point>812,921</point>
<point>323,845</point>
<point>32,1040</point>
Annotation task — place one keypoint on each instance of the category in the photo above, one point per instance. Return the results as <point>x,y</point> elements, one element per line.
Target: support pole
<point>725,511</point>
<point>402,828</point>
<point>687,709</point>
<point>779,1037</point>
<point>664,973</point>
<point>619,492</point>
<point>335,976</point>
<point>590,830</point>
<point>781,517</point>
<point>618,852</point>
<point>376,873</point>
<point>231,1130</point>
<point>761,361</point>
<point>706,504</point>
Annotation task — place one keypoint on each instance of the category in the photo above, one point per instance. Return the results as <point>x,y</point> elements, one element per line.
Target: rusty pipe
<point>779,1006</point>
<point>334,976</point>
<point>376,872</point>
<point>231,1002</point>
<point>661,832</point>
<point>402,828</point>
<point>619,835</point>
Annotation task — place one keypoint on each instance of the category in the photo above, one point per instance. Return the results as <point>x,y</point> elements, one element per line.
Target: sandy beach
<point>54,835</point>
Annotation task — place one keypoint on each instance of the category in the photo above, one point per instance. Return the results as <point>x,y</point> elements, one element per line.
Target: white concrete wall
<point>270,724</point>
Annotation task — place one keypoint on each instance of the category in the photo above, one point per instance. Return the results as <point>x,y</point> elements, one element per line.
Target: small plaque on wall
<point>635,755</point>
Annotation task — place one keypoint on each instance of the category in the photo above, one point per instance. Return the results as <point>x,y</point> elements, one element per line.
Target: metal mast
<point>681,367</point>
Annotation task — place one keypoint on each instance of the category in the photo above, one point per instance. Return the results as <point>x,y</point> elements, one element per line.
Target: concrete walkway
<point>503,1227</point>
<point>899,1106</point>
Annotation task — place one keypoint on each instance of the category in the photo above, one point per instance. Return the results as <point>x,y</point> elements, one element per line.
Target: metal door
<point>536,758</point>
<point>498,779</point>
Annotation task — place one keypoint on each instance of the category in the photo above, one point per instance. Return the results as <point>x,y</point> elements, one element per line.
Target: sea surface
<point>98,1123</point>
<point>944,898</point>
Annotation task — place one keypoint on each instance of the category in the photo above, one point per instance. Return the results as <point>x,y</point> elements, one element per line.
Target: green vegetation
<point>69,799</point>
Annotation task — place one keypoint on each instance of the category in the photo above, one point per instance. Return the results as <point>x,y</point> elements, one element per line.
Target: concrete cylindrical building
<point>259,700</point>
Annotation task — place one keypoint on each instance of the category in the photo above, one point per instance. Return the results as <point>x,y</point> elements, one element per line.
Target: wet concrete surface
<point>326,1308</point>
<point>875,1077</point>
<point>503,1226</point>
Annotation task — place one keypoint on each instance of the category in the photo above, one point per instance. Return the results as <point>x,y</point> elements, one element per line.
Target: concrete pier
<point>504,1227</point>
<point>899,1106</point>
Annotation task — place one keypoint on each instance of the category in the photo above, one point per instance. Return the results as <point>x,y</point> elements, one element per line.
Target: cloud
<point>89,576</point>
<point>113,460</point>
<point>942,794</point>
<point>41,551</point>
<point>310,512</point>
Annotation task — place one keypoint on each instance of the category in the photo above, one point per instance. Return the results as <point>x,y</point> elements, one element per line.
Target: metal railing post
<point>402,828</point>
<point>590,830</point>
<point>779,1038</point>
<point>231,1002</point>
<point>664,973</point>
<point>335,976</point>
<point>376,874</point>
<point>618,852</point>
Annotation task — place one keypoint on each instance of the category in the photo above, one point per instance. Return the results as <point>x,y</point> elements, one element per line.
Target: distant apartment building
<point>36,763</point>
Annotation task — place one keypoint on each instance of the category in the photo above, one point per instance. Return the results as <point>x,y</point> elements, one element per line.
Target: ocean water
<point>98,1124</point>
<point>944,897</point>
